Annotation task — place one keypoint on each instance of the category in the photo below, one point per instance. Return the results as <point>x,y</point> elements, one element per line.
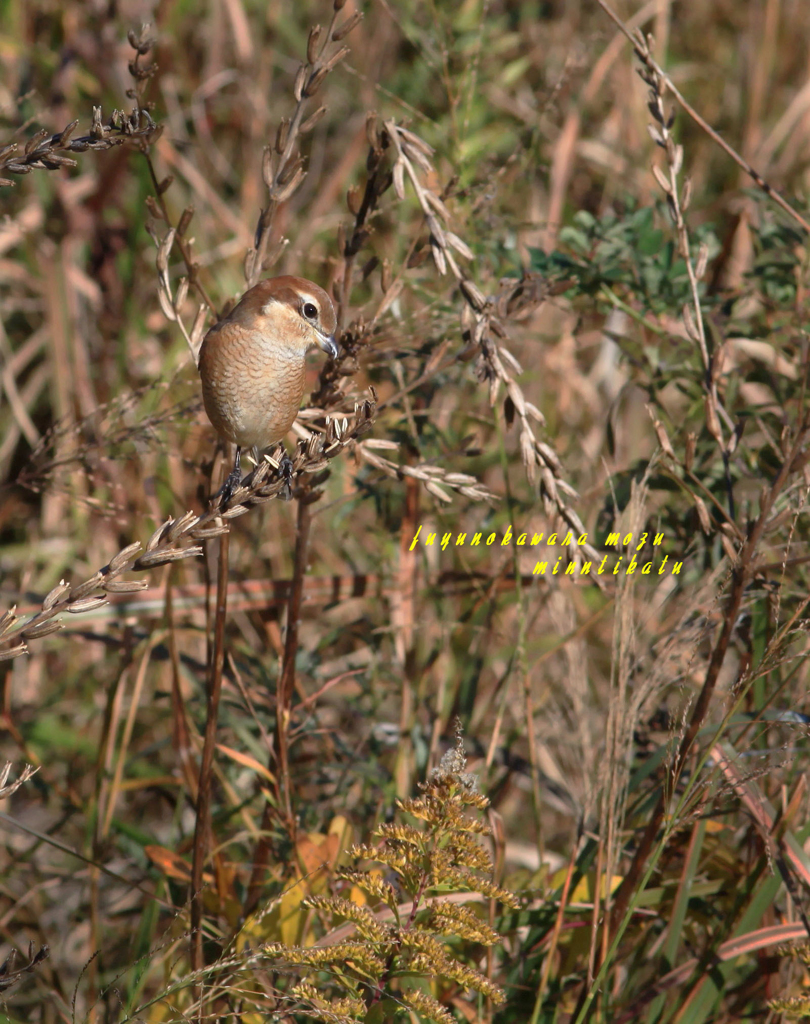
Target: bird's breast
<point>252,387</point>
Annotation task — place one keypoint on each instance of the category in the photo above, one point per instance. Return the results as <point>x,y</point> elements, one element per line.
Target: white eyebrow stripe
<point>304,296</point>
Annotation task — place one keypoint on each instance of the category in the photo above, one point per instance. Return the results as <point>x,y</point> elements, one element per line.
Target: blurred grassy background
<point>542,155</point>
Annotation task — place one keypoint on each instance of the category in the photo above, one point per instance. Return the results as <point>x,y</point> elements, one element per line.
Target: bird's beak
<point>328,344</point>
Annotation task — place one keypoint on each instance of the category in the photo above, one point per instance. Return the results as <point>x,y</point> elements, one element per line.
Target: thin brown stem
<point>203,824</point>
<point>183,246</point>
<point>287,681</point>
<point>286,685</point>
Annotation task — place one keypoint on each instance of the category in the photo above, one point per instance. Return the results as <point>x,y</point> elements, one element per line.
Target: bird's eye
<point>310,311</point>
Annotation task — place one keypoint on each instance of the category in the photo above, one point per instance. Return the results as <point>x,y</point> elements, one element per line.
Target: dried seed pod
<point>155,558</point>
<point>268,166</point>
<point>162,258</point>
<point>13,652</point>
<point>437,492</point>
<point>689,322</point>
<point>154,210</point>
<point>180,525</point>
<point>438,206</point>
<point>55,160</point>
<point>712,421</point>
<point>300,79</point>
<point>504,352</point>
<point>702,260</point>
<point>438,257</point>
<point>399,179</point>
<point>673,207</point>
<point>96,127</point>
<point>689,453</point>
<point>36,632</point>
<point>662,179</point>
<point>728,547</point>
<point>64,136</point>
<point>315,81</point>
<point>416,141</point>
<point>250,264</point>
<point>289,169</point>
<point>234,511</point>
<point>312,120</point>
<point>274,253</point>
<point>663,438</point>
<point>83,589</point>
<point>418,158</point>
<point>354,200</point>
<point>204,533</point>
<point>348,25</point>
<point>282,134</point>
<point>117,562</point>
<point>436,230</point>
<point>459,245</point>
<point>124,586</point>
<point>718,361</point>
<point>473,294</point>
<point>159,534</point>
<point>312,43</point>
<point>677,159</point>
<point>8,620</point>
<point>516,395</point>
<point>282,194</point>
<point>185,220</point>
<point>336,58</point>
<point>55,595</point>
<point>86,604</point>
<point>198,327</point>
<point>703,514</point>
<point>35,140</point>
<point>686,195</point>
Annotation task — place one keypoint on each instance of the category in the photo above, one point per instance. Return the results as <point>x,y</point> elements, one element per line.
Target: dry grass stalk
<point>10,973</point>
<point>6,787</point>
<point>433,477</point>
<point>643,53</point>
<point>677,203</point>
<point>46,151</point>
<point>282,164</point>
<point>481,325</point>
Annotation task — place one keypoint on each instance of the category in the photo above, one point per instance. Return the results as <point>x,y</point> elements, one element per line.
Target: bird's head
<point>297,314</point>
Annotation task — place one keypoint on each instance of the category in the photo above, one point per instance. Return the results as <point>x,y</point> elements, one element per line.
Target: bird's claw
<point>232,482</point>
<point>287,473</point>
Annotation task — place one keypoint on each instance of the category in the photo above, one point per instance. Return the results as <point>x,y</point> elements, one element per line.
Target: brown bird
<point>252,363</point>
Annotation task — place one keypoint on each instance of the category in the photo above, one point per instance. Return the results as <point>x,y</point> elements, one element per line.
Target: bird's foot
<point>232,481</point>
<point>287,474</point>
<point>226,492</point>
